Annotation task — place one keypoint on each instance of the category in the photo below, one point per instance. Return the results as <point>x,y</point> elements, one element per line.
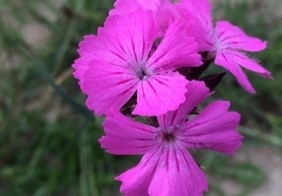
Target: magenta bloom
<point>226,42</point>
<point>167,168</point>
<point>230,43</point>
<point>130,55</point>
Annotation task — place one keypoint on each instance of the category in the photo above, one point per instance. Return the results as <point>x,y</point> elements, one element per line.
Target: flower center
<point>168,137</point>
<point>142,74</point>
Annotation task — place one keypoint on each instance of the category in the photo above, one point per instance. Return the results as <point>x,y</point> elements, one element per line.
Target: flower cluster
<point>143,72</point>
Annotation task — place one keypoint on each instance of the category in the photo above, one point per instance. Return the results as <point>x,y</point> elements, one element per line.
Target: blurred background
<point>49,140</point>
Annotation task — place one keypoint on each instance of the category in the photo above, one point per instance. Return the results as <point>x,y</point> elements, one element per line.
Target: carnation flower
<point>226,43</point>
<point>230,42</point>
<point>130,55</point>
<point>167,168</point>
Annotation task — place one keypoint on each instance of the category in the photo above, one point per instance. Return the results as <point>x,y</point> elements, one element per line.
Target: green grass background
<point>48,140</point>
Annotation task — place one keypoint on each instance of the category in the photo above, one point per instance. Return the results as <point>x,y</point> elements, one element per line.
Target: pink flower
<point>128,56</point>
<point>226,42</point>
<point>230,43</point>
<point>167,168</point>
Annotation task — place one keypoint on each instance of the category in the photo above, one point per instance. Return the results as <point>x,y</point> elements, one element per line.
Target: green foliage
<point>49,141</point>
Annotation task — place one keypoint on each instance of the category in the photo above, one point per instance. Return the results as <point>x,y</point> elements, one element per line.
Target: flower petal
<point>86,48</point>
<point>225,59</point>
<point>214,128</point>
<point>250,64</point>
<point>134,33</point>
<point>160,93</point>
<point>101,48</point>
<point>177,174</point>
<point>196,93</point>
<point>108,87</point>
<point>203,13</point>
<point>125,7</point>
<point>126,136</point>
<point>200,21</point>
<point>136,181</point>
<point>166,172</point>
<point>128,6</point>
<point>177,49</point>
<point>232,37</point>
